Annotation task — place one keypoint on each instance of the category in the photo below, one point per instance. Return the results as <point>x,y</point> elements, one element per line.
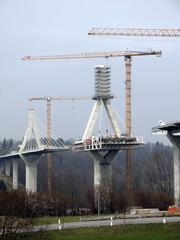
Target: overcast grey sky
<point>45,27</point>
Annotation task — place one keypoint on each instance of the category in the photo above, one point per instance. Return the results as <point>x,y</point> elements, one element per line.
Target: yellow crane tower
<point>48,100</point>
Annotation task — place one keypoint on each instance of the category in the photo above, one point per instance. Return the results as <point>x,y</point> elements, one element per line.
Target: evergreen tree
<point>10,144</point>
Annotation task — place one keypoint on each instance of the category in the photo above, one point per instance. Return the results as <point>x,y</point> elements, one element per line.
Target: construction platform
<point>15,155</point>
<point>106,143</point>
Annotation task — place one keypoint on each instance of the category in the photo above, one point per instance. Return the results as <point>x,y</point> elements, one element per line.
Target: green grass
<point>51,220</point>
<point>170,231</point>
<point>65,219</point>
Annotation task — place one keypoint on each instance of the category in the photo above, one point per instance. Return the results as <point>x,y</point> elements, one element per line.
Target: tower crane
<point>128,59</point>
<point>138,32</point>
<point>48,100</point>
<point>134,32</point>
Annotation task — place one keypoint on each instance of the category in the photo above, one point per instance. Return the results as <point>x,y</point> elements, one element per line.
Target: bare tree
<point>14,223</point>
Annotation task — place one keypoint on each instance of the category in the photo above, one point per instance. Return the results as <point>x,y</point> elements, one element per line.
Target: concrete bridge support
<point>1,167</point>
<point>31,176</point>
<point>175,140</point>
<point>8,168</point>
<point>177,176</point>
<point>15,173</point>
<point>103,179</point>
<point>31,172</point>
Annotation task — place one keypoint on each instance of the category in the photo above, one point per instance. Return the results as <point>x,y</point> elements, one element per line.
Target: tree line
<point>73,186</point>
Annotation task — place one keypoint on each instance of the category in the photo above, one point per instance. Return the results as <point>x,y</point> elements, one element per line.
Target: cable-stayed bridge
<point>102,147</point>
<point>37,141</point>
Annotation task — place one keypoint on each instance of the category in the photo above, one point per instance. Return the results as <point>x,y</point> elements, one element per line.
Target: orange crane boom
<point>49,159</point>
<point>138,32</point>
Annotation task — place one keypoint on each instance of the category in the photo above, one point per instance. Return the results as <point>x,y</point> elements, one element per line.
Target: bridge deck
<point>33,152</point>
<point>169,127</point>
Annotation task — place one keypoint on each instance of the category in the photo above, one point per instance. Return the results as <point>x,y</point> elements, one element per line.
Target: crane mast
<point>128,111</point>
<point>49,160</point>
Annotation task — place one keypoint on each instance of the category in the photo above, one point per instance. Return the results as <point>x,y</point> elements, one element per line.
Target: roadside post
<point>60,225</point>
<point>111,221</point>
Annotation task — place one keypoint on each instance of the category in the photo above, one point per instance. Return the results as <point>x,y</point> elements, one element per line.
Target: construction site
<point>87,152</point>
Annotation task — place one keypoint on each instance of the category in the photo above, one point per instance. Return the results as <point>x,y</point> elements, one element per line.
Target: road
<point>107,222</point>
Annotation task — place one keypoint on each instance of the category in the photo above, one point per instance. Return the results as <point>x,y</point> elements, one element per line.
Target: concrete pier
<point>31,176</point>
<point>176,146</point>
<point>8,168</point>
<point>1,167</point>
<point>15,173</point>
<point>31,172</point>
<point>103,180</point>
<point>172,131</point>
<point>104,147</point>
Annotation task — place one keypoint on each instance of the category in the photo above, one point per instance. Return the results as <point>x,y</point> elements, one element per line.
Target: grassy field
<point>169,231</point>
<point>50,220</point>
<point>65,219</point>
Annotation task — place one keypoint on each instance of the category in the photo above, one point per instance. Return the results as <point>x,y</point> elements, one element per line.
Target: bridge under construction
<point>102,147</point>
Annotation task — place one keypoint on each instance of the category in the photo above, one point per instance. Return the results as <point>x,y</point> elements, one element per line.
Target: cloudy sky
<point>50,27</point>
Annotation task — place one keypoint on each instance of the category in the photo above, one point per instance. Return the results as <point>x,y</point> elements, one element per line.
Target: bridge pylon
<point>104,148</point>
<point>172,131</point>
<point>35,144</point>
<point>31,142</point>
